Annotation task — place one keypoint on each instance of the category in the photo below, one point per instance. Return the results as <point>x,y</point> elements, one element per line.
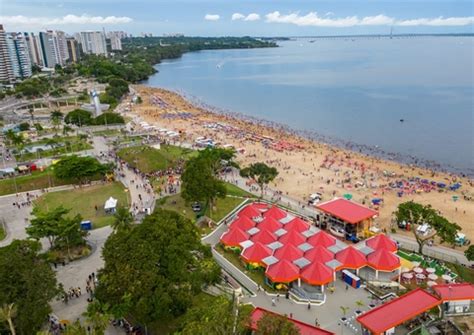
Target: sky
<point>241,17</point>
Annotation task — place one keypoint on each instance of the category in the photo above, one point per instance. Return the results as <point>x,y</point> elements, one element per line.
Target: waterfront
<point>347,91</point>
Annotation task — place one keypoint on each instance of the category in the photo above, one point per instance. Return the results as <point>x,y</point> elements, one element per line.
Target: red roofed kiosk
<point>458,299</point>
<point>304,328</point>
<point>346,218</point>
<point>384,319</point>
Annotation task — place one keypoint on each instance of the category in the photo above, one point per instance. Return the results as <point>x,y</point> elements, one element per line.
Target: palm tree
<point>56,118</point>
<point>122,219</point>
<point>344,310</point>
<point>7,313</point>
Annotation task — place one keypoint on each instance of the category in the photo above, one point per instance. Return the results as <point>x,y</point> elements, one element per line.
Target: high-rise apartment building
<point>19,55</point>
<point>34,48</point>
<point>73,49</point>
<point>6,68</point>
<point>60,44</point>
<point>93,42</point>
<point>47,47</point>
<point>115,39</point>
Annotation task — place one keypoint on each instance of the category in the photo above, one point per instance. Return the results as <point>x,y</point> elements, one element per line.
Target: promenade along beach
<point>306,166</point>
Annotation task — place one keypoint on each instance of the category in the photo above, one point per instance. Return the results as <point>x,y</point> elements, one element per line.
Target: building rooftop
<point>346,210</point>
<point>449,292</point>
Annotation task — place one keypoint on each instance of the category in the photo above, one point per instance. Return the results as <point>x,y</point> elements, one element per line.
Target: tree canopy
<point>79,168</point>
<point>261,173</point>
<point>79,117</point>
<point>469,253</point>
<point>109,118</point>
<point>152,272</point>
<point>274,324</point>
<point>29,283</point>
<point>417,214</point>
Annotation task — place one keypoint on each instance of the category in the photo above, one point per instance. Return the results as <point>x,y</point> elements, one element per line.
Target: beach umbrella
<point>418,270</point>
<point>407,275</point>
<point>431,283</point>
<point>416,264</point>
<point>420,276</point>
<point>347,196</point>
<point>432,276</point>
<point>430,270</point>
<point>447,278</point>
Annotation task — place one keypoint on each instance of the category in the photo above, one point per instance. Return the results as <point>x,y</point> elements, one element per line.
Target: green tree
<point>79,168</point>
<point>56,118</point>
<point>7,314</point>
<point>79,117</point>
<point>199,182</point>
<point>122,219</point>
<point>27,281</point>
<point>24,126</point>
<point>218,158</point>
<point>274,324</point>
<point>469,253</point>
<point>156,268</point>
<point>261,173</point>
<point>38,127</point>
<point>109,118</point>
<point>417,214</point>
<point>98,317</point>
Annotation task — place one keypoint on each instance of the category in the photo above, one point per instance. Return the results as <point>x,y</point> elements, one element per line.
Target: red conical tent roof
<point>250,211</point>
<point>351,258</point>
<point>289,252</point>
<point>292,237</point>
<point>243,223</point>
<point>297,224</point>
<point>275,213</point>
<point>264,237</point>
<point>382,241</point>
<point>256,252</point>
<point>233,237</point>
<point>269,224</point>
<point>384,260</point>
<point>321,238</point>
<point>317,273</point>
<point>282,272</point>
<point>319,254</point>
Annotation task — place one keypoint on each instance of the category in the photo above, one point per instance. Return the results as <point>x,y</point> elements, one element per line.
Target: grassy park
<point>83,201</point>
<point>149,159</point>
<point>34,181</point>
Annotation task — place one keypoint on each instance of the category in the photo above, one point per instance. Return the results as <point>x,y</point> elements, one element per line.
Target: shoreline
<point>312,135</point>
<point>306,165</point>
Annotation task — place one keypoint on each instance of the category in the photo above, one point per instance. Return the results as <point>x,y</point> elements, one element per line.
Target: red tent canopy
<point>351,258</point>
<point>322,238</point>
<point>269,224</point>
<point>292,237</point>
<point>317,274</point>
<point>256,252</point>
<point>346,210</point>
<point>233,237</point>
<point>242,222</point>
<point>289,252</point>
<point>319,254</point>
<point>297,224</point>
<point>264,237</point>
<point>282,272</point>
<point>250,211</point>
<point>275,213</point>
<point>383,260</point>
<point>382,241</point>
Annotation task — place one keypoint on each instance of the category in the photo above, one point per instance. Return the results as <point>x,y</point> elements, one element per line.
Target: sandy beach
<point>307,166</point>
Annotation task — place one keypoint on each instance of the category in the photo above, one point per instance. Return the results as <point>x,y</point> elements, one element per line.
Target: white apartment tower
<point>93,42</point>
<point>19,55</point>
<point>6,68</point>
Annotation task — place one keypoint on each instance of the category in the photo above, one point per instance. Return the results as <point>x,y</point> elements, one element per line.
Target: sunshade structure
<point>382,241</point>
<point>383,260</point>
<point>243,223</point>
<point>256,252</point>
<point>317,273</point>
<point>398,311</point>
<point>289,252</point>
<point>250,211</point>
<point>264,237</point>
<point>282,272</point>
<point>319,254</point>
<point>275,213</point>
<point>297,224</point>
<point>292,237</point>
<point>110,205</point>
<point>304,328</point>
<point>322,238</point>
<point>351,258</point>
<point>233,237</point>
<point>269,224</point>
<point>346,210</point>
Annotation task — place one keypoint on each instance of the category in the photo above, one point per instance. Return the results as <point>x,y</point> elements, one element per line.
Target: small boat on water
<point>402,120</point>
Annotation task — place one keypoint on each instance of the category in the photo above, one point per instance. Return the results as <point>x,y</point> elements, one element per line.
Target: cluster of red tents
<point>290,248</point>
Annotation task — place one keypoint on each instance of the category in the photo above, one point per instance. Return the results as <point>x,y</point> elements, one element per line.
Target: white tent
<point>110,205</point>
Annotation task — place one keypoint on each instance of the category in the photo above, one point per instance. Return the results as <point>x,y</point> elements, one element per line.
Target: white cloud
<point>250,17</point>
<point>237,16</point>
<point>313,19</point>
<point>65,20</point>
<point>212,17</point>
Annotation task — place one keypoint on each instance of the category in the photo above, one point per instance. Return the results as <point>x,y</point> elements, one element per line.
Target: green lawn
<point>66,144</point>
<point>149,159</point>
<point>108,132</point>
<point>3,234</point>
<point>236,191</point>
<point>36,180</point>
<point>83,201</point>
<point>465,273</point>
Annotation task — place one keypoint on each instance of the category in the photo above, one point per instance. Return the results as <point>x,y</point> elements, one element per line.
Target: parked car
<point>196,206</point>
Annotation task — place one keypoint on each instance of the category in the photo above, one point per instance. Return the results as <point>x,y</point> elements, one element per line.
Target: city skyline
<point>265,18</point>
